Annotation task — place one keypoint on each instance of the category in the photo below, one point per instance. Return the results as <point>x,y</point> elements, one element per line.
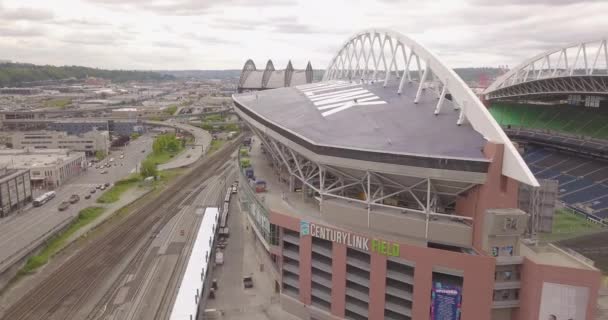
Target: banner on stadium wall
<point>445,302</point>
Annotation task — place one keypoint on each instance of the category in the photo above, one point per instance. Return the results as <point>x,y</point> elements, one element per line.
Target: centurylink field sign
<point>349,239</point>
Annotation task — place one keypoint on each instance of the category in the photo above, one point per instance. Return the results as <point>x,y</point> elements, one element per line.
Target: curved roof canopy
<point>270,78</point>
<point>393,58</point>
<point>578,68</point>
<point>386,98</point>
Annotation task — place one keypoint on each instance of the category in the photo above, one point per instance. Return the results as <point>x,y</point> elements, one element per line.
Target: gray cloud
<point>531,2</point>
<point>27,14</point>
<point>170,44</point>
<point>94,38</point>
<point>236,24</point>
<point>188,7</point>
<point>296,28</point>
<point>207,39</point>
<point>19,32</point>
<point>79,23</point>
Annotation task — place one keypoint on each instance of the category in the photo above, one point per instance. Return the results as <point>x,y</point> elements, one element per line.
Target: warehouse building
<point>88,142</point>
<point>48,168</point>
<point>15,190</point>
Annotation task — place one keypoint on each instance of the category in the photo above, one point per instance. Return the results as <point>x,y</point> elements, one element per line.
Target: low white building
<point>48,167</point>
<point>88,142</point>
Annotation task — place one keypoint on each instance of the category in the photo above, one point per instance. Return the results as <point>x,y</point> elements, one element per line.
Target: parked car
<point>92,191</point>
<point>107,184</point>
<point>98,186</point>
<point>104,171</point>
<point>248,282</point>
<point>88,196</point>
<point>74,198</point>
<point>102,188</point>
<point>64,205</point>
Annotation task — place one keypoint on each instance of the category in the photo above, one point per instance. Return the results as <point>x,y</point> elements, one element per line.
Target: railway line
<point>64,292</point>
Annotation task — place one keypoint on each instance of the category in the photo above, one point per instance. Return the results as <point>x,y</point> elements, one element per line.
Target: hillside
<point>22,74</point>
<point>467,74</point>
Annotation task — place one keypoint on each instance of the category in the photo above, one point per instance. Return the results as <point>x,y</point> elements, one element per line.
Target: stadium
<point>388,191</point>
<point>555,106</point>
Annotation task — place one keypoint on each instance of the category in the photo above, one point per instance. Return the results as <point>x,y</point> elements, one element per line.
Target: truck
<point>74,198</point>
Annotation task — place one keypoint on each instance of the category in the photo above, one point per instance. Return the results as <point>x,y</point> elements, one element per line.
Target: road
<point>73,290</point>
<point>202,140</point>
<point>22,232</point>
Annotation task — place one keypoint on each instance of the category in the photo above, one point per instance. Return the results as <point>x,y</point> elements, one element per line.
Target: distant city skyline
<point>215,35</point>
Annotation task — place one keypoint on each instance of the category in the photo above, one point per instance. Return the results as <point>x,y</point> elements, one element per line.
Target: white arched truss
<point>573,69</point>
<point>387,56</point>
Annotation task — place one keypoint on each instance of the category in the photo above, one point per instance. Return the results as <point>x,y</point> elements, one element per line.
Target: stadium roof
<point>577,68</point>
<point>253,79</point>
<point>379,121</point>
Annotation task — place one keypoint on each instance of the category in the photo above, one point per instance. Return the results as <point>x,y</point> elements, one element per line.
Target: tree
<point>100,154</point>
<point>148,169</point>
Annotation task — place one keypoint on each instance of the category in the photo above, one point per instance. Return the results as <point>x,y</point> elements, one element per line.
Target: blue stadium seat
<point>602,214</point>
<point>586,194</point>
<point>535,169</point>
<point>564,178</point>
<point>574,185</point>
<point>547,174</point>
<point>535,155</point>
<point>599,203</point>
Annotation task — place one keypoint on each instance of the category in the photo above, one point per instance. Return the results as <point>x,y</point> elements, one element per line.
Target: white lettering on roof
<point>333,97</point>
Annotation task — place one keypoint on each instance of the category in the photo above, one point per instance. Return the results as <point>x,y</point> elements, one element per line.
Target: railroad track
<point>62,294</point>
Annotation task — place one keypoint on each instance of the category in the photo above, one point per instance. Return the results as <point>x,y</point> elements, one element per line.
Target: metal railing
<point>255,208</point>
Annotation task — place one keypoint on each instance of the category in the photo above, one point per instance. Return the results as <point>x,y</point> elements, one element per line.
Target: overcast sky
<point>222,34</point>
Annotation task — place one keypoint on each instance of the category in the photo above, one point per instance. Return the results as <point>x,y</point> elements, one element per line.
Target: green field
<point>164,148</point>
<point>567,119</point>
<point>85,216</point>
<point>567,225</point>
<point>61,103</point>
<point>216,145</point>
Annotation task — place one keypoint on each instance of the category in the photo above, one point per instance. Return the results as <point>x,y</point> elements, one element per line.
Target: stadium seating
<point>582,182</point>
<point>568,119</point>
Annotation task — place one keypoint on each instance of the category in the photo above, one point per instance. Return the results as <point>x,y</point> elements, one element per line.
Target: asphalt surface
<point>245,256</point>
<point>23,231</point>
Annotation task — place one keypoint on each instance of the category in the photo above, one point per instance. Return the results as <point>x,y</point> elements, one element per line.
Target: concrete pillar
<point>377,287</point>
<point>338,276</point>
<point>305,271</point>
<point>423,283</point>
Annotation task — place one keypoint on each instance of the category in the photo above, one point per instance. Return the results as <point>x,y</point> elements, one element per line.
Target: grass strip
<point>53,246</point>
<point>121,186</point>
